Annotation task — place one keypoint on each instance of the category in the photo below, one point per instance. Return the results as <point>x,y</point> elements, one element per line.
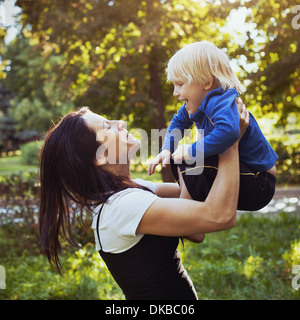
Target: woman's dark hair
<point>68,172</point>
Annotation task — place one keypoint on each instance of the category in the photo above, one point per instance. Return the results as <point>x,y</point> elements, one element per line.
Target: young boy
<point>204,80</point>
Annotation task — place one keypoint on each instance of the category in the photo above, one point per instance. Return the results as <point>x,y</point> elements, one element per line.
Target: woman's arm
<point>174,189</point>
<point>183,217</point>
<point>167,190</point>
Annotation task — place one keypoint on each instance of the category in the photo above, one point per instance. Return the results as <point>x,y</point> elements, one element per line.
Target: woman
<point>136,224</point>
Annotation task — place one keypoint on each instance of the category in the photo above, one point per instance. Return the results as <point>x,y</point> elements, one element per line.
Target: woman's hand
<point>244,116</point>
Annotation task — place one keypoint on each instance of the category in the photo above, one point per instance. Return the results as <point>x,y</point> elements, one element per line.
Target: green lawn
<point>253,260</point>
<point>8,165</point>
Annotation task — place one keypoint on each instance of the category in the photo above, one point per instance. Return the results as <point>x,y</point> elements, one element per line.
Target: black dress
<point>152,269</point>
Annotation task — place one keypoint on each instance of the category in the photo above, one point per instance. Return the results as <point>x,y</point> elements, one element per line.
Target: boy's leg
<point>197,185</point>
<point>256,188</point>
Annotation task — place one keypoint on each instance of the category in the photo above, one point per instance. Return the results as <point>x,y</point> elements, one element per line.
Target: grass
<point>252,261</point>
<point>9,165</point>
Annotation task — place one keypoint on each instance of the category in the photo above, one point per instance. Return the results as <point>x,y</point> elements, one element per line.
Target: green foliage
<point>85,278</point>
<point>18,213</point>
<point>251,261</point>
<point>37,99</point>
<point>12,164</point>
<point>30,152</point>
<point>111,56</point>
<point>19,185</point>
<point>292,257</point>
<point>19,205</point>
<point>288,164</point>
<point>274,87</point>
<point>248,261</point>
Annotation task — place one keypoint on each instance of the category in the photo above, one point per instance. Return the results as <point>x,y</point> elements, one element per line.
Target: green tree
<point>116,51</point>
<point>7,123</point>
<point>32,82</point>
<point>274,91</point>
<point>274,47</point>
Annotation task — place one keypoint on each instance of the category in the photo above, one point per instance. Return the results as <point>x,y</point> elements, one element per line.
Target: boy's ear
<point>209,85</point>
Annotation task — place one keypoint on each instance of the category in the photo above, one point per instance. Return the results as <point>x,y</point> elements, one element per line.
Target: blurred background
<point>111,55</point>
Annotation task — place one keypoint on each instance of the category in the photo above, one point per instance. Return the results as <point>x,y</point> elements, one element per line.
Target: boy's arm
<point>223,112</point>
<point>179,122</point>
<point>174,134</point>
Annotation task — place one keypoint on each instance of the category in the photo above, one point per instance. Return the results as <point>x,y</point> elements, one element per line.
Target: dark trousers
<point>256,188</point>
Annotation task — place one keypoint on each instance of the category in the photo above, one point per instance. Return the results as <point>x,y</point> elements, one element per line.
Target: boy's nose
<point>175,92</point>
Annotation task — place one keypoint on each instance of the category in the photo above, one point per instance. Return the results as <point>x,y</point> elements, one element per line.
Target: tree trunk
<point>158,104</point>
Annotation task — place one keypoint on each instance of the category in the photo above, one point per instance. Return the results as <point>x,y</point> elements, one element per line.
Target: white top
<point>121,216</point>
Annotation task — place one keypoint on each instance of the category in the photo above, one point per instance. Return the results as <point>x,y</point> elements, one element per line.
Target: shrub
<point>30,152</point>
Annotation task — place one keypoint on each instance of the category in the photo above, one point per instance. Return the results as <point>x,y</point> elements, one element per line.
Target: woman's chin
<point>133,147</point>
<point>132,141</point>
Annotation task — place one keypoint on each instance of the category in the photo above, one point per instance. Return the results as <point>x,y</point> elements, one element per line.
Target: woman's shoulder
<point>145,183</point>
<point>120,217</point>
<point>129,199</point>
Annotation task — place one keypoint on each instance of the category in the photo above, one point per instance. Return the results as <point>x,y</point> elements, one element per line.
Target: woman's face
<point>116,143</point>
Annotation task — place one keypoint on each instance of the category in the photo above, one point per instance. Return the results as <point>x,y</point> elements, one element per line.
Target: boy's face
<point>190,93</point>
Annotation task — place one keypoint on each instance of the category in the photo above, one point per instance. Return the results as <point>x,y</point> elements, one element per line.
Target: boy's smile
<point>191,93</point>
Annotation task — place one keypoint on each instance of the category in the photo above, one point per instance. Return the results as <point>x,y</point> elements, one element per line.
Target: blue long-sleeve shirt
<point>219,118</point>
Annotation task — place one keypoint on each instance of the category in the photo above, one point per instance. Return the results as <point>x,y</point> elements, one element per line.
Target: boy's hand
<point>181,153</point>
<point>163,157</point>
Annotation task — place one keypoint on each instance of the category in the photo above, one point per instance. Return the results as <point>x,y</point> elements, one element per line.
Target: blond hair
<point>201,62</point>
